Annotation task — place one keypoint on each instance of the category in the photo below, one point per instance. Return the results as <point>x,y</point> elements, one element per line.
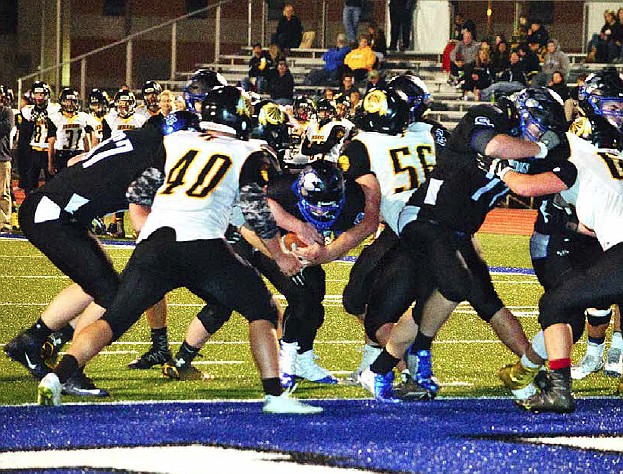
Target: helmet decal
<point>376,102</point>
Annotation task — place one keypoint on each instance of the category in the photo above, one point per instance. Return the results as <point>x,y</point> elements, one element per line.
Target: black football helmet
<point>151,90</point>
<point>270,123</point>
<point>325,111</point>
<point>321,193</point>
<point>539,109</point>
<point>200,83</point>
<point>98,102</point>
<point>40,92</point>
<point>179,120</point>
<point>417,94</point>
<point>303,108</point>
<point>229,106</point>
<point>125,102</point>
<point>602,94</point>
<point>70,100</point>
<point>384,110</point>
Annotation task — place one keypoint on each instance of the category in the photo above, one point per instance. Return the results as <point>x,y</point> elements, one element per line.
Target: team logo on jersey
<point>581,127</point>
<point>344,163</point>
<point>270,114</point>
<point>375,102</point>
<point>484,121</point>
<point>244,105</point>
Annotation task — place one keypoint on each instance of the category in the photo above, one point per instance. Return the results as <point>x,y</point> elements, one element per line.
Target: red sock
<point>558,364</point>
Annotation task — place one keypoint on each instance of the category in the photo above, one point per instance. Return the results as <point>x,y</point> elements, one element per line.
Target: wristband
<point>503,172</point>
<point>543,150</point>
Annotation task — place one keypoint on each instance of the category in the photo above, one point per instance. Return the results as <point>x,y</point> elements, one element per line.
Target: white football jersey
<point>97,124</point>
<point>119,124</point>
<point>70,131</point>
<point>39,139</point>
<point>144,112</point>
<point>597,193</point>
<point>401,164</point>
<point>318,135</point>
<point>201,185</point>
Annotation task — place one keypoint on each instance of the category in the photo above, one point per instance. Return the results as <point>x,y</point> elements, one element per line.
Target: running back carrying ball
<point>291,242</point>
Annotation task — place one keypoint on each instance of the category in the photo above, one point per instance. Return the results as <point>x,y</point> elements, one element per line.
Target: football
<point>291,242</point>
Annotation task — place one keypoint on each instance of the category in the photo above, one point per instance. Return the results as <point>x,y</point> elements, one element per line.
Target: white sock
<point>595,349</point>
<point>617,340</point>
<point>538,345</point>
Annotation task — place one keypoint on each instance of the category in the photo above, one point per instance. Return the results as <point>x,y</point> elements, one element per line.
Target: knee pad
<point>597,317</point>
<point>213,317</point>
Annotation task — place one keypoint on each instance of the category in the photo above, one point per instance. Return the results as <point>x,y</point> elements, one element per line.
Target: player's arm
<point>254,178</point>
<point>51,152</point>
<point>140,195</point>
<point>561,177</point>
<point>304,230</point>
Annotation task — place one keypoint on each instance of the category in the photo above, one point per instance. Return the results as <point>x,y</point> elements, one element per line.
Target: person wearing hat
<point>333,64</point>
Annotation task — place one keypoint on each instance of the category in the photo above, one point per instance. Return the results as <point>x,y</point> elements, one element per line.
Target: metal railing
<point>129,42</point>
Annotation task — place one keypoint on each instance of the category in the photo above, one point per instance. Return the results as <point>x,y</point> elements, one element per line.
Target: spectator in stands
<point>499,57</point>
<point>7,120</point>
<point>521,33</point>
<point>481,76</point>
<point>401,19</point>
<point>281,84</point>
<point>511,80</point>
<point>555,60</point>
<point>375,80</point>
<point>351,15</point>
<point>463,58</point>
<point>530,60</point>
<point>606,48</point>
<point>571,104</point>
<point>618,37</point>
<point>361,60</point>
<point>461,25</point>
<point>355,102</point>
<point>559,84</point>
<point>289,30</point>
<point>180,103</point>
<point>378,43</point>
<point>333,64</point>
<point>328,94</point>
<point>348,85</point>
<point>537,34</point>
<point>259,69</point>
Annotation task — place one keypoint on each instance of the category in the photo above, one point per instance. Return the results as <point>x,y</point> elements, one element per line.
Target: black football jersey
<point>97,185</point>
<point>282,191</point>
<point>458,193</point>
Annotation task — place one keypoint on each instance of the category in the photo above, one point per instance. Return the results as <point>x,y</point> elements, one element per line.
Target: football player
<point>438,223</point>
<point>70,131</point>
<point>199,84</point>
<point>56,220</point>
<point>205,174</point>
<point>325,136</point>
<point>151,91</point>
<point>98,108</point>
<point>36,122</point>
<point>303,111</point>
<point>121,119</point>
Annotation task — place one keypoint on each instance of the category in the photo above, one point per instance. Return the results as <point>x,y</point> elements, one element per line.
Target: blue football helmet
<point>539,109</point>
<point>321,193</point>
<point>602,94</point>
<point>418,96</point>
<point>200,83</point>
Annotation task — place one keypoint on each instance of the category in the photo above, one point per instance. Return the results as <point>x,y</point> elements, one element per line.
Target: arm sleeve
<point>355,160</point>
<point>143,189</point>
<point>256,172</point>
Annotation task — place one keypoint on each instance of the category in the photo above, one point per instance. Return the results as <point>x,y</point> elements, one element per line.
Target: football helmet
<point>325,111</point>
<point>179,120</point>
<point>602,94</point>
<point>303,108</point>
<point>417,94</point>
<point>270,123</point>
<point>230,107</point>
<point>540,109</point>
<point>151,90</point>
<point>200,83</point>
<point>385,110</point>
<point>321,193</point>
<point>98,102</point>
<point>40,92</point>
<point>125,102</point>
<point>70,101</point>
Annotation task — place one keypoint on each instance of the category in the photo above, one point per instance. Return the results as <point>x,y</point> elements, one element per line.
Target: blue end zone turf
<point>451,435</point>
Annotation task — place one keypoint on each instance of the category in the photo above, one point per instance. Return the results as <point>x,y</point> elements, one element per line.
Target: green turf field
<point>466,353</point>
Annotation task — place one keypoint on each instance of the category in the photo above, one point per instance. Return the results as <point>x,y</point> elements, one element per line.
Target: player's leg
<point>159,352</point>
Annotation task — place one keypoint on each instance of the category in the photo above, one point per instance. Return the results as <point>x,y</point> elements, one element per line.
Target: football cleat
<point>307,368</point>
<point>79,385</point>
<point>614,362</point>
<point>370,353</point>
<point>27,351</point>
<point>409,390</point>
<point>115,231</point>
<point>177,369</point>
<point>49,391</point>
<point>556,397</point>
<point>519,379</point>
<point>380,386</point>
<point>421,368</point>
<point>154,356</point>
<point>284,404</point>
<point>288,355</point>
<point>593,361</point>
<point>50,350</point>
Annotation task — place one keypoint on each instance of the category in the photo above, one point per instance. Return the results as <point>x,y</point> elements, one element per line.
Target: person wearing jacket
<point>333,64</point>
<point>554,60</point>
<point>361,60</point>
